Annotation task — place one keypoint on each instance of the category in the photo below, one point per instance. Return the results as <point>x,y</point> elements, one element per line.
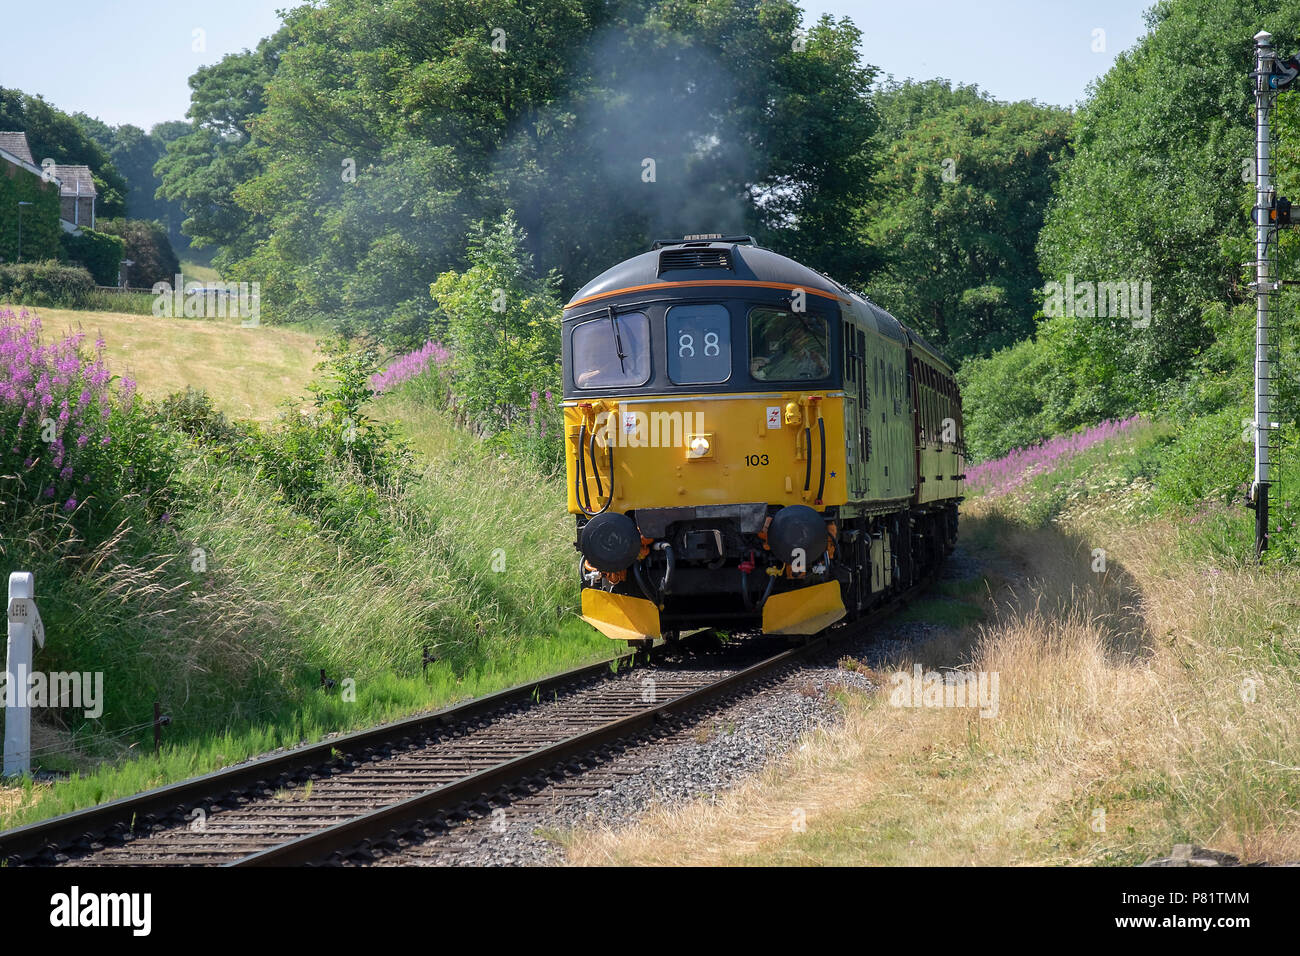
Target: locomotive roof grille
<point>694,257</point>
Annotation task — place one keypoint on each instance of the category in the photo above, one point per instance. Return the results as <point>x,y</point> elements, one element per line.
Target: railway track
<point>386,787</point>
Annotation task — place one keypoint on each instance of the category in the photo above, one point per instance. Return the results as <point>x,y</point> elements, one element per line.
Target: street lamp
<point>20,229</point>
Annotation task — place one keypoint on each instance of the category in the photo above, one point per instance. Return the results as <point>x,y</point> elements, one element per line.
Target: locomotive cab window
<point>699,344</point>
<point>612,351</point>
<point>788,346</point>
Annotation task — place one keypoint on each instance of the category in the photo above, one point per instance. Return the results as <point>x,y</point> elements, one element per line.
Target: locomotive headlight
<point>698,446</point>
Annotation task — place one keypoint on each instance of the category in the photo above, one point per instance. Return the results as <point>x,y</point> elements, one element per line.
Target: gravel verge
<point>700,758</point>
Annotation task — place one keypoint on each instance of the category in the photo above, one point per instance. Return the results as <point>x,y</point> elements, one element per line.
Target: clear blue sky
<point>1015,49</point>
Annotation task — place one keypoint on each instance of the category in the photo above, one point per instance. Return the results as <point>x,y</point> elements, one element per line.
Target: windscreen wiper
<point>618,340</point>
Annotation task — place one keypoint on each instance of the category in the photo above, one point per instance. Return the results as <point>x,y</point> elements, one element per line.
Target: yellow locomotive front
<point>705,441</point>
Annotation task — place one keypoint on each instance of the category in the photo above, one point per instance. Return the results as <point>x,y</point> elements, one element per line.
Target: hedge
<point>148,248</point>
<point>99,252</point>
<point>47,283</point>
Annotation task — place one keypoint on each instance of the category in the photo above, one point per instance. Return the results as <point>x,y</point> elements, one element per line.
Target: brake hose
<point>580,478</point>
<point>645,587</point>
<point>671,565</point>
<point>807,448</point>
<point>580,475</point>
<point>591,443</point>
<point>821,481</point>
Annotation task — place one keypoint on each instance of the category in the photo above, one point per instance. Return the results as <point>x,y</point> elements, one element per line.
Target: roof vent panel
<point>694,257</point>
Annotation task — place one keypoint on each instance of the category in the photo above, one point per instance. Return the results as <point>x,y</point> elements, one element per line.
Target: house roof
<point>16,143</point>
<point>76,180</point>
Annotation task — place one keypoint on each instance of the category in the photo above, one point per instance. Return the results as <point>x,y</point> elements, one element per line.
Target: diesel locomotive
<point>750,445</point>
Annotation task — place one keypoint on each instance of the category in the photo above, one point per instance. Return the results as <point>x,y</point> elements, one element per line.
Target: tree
<point>1155,192</point>
<point>207,160</point>
<point>53,134</point>
<point>134,154</point>
<point>151,254</point>
<point>963,187</point>
<point>503,323</point>
<point>387,132</point>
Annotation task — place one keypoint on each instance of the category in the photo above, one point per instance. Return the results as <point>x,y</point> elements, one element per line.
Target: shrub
<point>193,413</point>
<point>1002,402</point>
<point>504,325</point>
<point>332,462</point>
<point>46,284</point>
<point>99,252</point>
<point>1210,458</point>
<point>148,248</point>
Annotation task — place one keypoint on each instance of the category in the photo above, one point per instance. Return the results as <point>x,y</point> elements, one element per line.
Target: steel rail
<point>315,846</point>
<point>74,830</point>
<point>94,822</point>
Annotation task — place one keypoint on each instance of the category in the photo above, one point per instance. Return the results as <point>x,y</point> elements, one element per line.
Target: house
<point>15,144</point>
<point>29,203</point>
<point>77,193</point>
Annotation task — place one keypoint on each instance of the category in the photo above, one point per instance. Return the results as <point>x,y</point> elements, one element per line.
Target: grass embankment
<point>198,272</point>
<point>1143,705</point>
<point>233,645</point>
<point>248,372</point>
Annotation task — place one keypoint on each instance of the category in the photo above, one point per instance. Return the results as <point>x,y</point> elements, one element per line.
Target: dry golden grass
<point>248,372</point>
<point>1120,692</point>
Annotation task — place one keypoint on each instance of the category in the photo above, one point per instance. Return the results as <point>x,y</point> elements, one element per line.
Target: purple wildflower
<point>1003,475</point>
<point>408,366</point>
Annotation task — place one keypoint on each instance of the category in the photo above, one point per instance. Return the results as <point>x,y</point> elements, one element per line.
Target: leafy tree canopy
<point>206,159</point>
<point>134,153</point>
<point>962,189</point>
<point>387,132</point>
<point>1155,192</point>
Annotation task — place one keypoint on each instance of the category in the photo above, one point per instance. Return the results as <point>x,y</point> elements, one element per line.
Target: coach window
<point>787,346</point>
<point>612,351</point>
<point>699,344</point>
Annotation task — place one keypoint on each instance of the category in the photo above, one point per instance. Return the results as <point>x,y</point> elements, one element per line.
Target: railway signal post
<point>1272,212</point>
<point>1263,286</point>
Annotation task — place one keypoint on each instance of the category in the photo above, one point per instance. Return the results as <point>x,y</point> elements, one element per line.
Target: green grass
<point>233,648</point>
<point>197,272</point>
<point>944,612</point>
<point>247,371</point>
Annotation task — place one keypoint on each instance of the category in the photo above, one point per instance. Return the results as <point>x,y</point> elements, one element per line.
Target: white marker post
<point>24,624</point>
